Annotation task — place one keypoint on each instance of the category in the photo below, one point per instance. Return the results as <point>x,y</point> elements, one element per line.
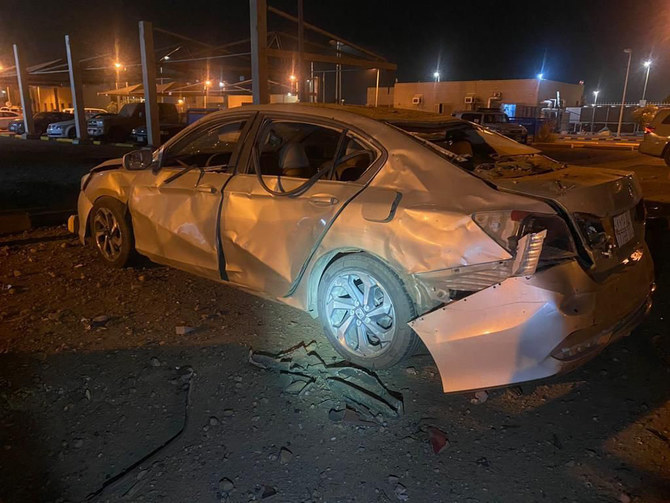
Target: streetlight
<point>647,65</point>
<point>207,84</point>
<point>437,76</point>
<point>540,76</point>
<point>117,67</point>
<point>625,86</point>
<point>593,117</point>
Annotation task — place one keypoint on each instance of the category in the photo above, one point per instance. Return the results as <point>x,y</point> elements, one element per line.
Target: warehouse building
<point>517,97</point>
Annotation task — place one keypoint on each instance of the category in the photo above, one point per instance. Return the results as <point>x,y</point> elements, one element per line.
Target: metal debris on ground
<point>183,329</point>
<point>301,368</point>
<point>438,439</point>
<point>479,397</point>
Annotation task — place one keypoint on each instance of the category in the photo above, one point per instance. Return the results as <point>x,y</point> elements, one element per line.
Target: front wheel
<point>364,309</point>
<point>666,155</point>
<point>112,232</point>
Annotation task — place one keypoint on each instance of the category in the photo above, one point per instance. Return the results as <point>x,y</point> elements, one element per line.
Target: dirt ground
<point>95,377</point>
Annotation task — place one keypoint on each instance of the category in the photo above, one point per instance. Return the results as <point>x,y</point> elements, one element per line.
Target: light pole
<point>207,84</point>
<point>593,117</point>
<point>623,98</point>
<point>377,90</point>
<point>437,76</point>
<point>117,66</point>
<point>647,65</point>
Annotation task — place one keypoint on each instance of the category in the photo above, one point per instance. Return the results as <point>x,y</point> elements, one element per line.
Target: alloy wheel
<point>107,234</point>
<point>360,313</point>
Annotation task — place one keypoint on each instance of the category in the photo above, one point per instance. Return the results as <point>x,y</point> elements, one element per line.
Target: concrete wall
<point>385,98</point>
<point>447,97</point>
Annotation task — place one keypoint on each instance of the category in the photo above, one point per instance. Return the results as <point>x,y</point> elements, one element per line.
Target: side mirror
<point>137,160</point>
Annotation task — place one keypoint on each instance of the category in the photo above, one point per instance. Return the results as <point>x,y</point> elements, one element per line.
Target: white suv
<point>657,136</point>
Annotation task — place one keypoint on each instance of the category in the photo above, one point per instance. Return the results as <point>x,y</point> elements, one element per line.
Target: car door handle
<point>206,188</point>
<point>323,200</point>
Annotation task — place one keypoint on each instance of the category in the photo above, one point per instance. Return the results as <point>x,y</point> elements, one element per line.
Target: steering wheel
<point>214,155</point>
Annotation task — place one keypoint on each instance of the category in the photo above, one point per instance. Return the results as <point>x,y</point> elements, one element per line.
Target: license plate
<point>623,228</point>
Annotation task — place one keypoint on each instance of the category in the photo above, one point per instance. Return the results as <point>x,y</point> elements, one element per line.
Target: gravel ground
<point>100,394</point>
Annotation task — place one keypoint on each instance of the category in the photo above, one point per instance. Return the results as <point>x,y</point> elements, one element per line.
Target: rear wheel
<point>112,232</point>
<point>666,155</point>
<point>72,133</point>
<point>364,310</point>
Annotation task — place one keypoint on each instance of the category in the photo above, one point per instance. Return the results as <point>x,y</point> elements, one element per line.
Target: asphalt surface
<point>102,394</point>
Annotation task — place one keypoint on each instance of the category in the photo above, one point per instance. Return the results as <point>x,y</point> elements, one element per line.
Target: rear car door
<point>300,174</point>
<point>175,210</point>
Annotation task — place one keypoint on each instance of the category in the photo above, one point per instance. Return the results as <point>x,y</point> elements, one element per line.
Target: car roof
<point>344,112</point>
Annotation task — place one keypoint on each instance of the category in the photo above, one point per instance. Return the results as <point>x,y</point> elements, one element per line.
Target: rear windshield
<point>479,150</point>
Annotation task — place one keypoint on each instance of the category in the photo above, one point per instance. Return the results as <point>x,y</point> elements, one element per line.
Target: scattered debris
<point>285,455</point>
<point>411,371</point>
<point>624,498</point>
<point>483,462</point>
<point>100,321</point>
<point>183,329</point>
<point>300,368</point>
<point>228,412</point>
<point>226,485</point>
<point>479,397</point>
<point>263,492</point>
<point>213,421</point>
<point>438,440</point>
<point>400,492</point>
<point>155,362</point>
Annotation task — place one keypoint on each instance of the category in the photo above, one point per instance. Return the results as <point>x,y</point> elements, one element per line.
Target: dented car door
<point>270,228</point>
<point>176,211</point>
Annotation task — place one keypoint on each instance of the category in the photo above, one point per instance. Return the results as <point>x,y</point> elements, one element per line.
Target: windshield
<point>495,119</point>
<point>481,151</point>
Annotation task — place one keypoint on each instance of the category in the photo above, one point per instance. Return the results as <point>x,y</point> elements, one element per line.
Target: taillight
<point>649,129</point>
<point>535,239</point>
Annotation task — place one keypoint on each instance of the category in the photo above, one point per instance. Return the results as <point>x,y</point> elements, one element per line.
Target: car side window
<point>471,118</point>
<point>301,150</point>
<point>667,119</point>
<point>207,147</point>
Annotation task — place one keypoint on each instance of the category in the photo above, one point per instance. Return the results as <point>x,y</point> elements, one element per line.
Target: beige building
<point>450,96</point>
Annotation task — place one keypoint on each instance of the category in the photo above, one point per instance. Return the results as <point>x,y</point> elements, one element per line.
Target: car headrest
<point>293,156</point>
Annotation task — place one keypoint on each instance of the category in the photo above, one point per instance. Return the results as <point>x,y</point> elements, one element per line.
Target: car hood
<point>63,123</point>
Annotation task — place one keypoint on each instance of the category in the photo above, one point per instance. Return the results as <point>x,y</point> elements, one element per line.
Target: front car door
<point>175,210</point>
<point>300,174</point>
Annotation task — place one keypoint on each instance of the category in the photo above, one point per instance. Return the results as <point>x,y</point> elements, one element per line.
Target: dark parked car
<point>139,134</point>
<point>42,121</point>
<point>118,127</point>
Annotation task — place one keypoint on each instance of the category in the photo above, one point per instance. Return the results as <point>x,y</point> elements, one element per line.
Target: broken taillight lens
<point>550,241</point>
<point>649,129</point>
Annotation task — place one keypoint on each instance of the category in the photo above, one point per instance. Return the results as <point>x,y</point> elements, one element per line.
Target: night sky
<point>474,39</point>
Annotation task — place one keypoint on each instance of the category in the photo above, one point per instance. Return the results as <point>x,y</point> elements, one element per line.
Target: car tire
<point>666,155</point>
<point>111,232</point>
<point>353,324</point>
<point>72,133</point>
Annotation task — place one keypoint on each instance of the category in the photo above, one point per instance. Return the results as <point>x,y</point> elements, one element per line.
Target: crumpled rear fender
<point>509,332</point>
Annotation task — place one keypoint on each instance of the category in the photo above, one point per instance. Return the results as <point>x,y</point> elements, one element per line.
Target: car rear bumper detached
<point>528,328</point>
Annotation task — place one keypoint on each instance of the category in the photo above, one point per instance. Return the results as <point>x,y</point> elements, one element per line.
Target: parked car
<point>508,265</point>
<point>496,121</point>
<point>41,120</point>
<point>13,108</point>
<point>656,138</point>
<point>66,129</point>
<point>139,134</point>
<point>6,117</point>
<point>118,127</point>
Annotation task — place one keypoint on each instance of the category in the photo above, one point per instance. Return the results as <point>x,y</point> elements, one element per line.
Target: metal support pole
<point>258,14</point>
<point>24,91</point>
<point>646,80</point>
<point>623,99</point>
<point>149,82</point>
<point>77,92</point>
<point>377,90</point>
<point>301,48</point>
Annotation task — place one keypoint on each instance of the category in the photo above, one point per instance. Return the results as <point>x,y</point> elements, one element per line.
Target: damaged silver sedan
<point>509,266</point>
